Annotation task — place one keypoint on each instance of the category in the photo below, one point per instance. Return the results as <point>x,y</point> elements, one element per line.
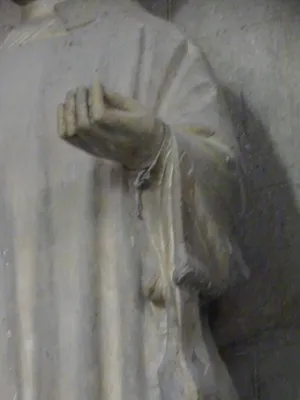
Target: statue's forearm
<point>117,128</point>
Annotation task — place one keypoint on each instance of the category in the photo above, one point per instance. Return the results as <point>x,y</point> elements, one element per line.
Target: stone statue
<point>106,256</point>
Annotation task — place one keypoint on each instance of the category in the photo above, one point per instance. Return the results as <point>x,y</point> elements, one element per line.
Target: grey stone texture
<point>253,47</point>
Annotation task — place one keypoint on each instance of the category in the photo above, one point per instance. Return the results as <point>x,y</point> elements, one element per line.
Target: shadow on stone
<point>162,8</point>
<point>253,321</point>
<point>255,324</point>
<point>267,233</point>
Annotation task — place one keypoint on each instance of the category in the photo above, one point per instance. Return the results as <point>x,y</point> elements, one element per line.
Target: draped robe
<point>75,257</point>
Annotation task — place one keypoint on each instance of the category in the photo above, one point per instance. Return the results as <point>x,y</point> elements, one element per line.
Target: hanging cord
<point>143,179</point>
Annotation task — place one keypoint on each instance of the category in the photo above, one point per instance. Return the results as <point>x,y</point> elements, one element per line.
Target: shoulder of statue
<point>77,13</point>
<point>33,30</point>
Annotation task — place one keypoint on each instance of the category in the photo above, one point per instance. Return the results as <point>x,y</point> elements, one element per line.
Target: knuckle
<point>82,108</point>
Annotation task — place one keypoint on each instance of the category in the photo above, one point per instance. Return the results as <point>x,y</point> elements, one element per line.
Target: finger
<point>99,134</point>
<point>87,137</point>
<point>61,123</point>
<point>70,113</point>
<point>95,101</point>
<point>120,102</point>
<point>82,108</point>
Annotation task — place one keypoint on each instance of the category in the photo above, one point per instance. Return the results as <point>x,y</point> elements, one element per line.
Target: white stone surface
<point>75,324</point>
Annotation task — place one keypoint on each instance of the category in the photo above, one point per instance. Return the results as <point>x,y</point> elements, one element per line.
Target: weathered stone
<point>86,274</point>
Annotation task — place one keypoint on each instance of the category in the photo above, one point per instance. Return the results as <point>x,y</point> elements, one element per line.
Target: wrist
<point>149,148</point>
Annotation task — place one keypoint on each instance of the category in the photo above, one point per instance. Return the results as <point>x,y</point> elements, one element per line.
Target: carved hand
<point>108,125</point>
